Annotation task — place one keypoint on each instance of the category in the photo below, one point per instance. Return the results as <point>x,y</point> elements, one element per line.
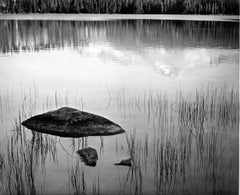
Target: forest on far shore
<point>121,6</point>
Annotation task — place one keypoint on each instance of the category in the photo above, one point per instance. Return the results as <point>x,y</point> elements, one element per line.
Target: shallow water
<point>172,85</point>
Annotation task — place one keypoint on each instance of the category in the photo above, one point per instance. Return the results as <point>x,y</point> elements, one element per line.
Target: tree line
<point>121,6</point>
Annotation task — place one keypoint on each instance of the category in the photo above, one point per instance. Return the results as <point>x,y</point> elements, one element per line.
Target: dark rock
<point>88,156</point>
<point>70,122</point>
<point>125,162</point>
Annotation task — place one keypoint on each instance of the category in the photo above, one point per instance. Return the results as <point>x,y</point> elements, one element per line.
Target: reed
<point>137,152</point>
<point>190,138</point>
<point>188,135</point>
<point>23,157</point>
<point>77,179</point>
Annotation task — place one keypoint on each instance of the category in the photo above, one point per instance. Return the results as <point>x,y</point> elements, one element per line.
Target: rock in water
<point>125,162</point>
<point>88,156</point>
<point>70,122</point>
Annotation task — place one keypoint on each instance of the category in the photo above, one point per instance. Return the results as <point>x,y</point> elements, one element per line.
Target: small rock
<point>125,162</point>
<point>88,156</point>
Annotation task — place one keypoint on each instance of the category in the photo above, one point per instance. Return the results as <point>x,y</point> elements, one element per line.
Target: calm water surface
<point>172,85</point>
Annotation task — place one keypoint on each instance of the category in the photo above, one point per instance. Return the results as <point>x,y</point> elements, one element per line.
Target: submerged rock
<point>70,122</point>
<point>88,156</point>
<point>125,162</point>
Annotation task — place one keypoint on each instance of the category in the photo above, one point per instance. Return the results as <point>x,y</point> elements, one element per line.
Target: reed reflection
<point>187,146</point>
<point>22,159</point>
<point>192,138</point>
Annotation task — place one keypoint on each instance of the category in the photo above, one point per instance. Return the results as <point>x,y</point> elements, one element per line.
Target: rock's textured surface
<point>70,122</point>
<point>88,156</point>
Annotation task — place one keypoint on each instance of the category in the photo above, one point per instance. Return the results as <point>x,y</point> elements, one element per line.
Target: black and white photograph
<point>119,97</point>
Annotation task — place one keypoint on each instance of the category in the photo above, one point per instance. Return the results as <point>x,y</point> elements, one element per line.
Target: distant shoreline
<point>104,17</point>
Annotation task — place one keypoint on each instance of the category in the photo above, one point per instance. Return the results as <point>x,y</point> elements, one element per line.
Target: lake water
<point>172,85</point>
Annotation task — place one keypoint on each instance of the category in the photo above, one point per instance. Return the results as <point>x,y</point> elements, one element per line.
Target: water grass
<point>23,157</point>
<point>189,136</point>
<point>77,179</point>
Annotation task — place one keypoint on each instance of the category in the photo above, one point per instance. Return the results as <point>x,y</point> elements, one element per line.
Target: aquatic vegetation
<point>77,179</point>
<point>189,139</point>
<point>189,136</point>
<point>23,158</point>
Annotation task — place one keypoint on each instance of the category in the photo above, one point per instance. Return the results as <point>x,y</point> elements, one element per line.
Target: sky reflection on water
<point>109,53</point>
